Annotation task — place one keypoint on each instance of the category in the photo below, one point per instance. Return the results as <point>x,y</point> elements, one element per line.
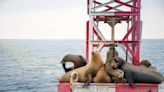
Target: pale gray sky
<point>64,19</point>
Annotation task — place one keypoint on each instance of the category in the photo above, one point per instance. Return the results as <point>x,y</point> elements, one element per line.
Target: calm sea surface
<point>34,65</point>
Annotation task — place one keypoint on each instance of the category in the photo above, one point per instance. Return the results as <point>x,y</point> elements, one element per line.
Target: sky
<point>65,19</point>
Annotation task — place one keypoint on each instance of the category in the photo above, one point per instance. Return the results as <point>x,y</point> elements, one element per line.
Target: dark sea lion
<point>87,72</point>
<point>77,60</point>
<point>102,76</point>
<point>138,74</point>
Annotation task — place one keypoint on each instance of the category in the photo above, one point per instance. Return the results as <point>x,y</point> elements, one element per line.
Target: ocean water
<point>34,65</point>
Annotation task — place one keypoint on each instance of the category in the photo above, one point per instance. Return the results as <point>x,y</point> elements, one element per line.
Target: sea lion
<point>102,76</point>
<point>77,60</point>
<point>138,74</point>
<point>87,72</point>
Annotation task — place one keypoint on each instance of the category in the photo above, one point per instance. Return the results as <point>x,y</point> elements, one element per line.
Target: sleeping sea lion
<point>77,60</point>
<point>138,74</point>
<point>87,72</point>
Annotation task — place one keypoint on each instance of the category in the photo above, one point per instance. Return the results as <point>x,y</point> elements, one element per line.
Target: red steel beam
<point>87,40</point>
<point>138,33</point>
<point>133,33</point>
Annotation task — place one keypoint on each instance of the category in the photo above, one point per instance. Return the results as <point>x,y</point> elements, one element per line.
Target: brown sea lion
<point>77,60</point>
<point>102,76</point>
<point>138,74</point>
<point>87,72</point>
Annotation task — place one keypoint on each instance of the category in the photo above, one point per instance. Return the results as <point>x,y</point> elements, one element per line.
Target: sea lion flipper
<point>86,84</point>
<point>69,69</point>
<point>89,79</point>
<point>129,78</point>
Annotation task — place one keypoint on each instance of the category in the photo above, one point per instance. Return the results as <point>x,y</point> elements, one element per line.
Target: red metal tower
<point>113,12</point>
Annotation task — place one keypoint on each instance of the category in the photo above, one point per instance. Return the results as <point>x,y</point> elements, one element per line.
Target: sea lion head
<point>74,77</point>
<point>145,63</point>
<point>118,73</point>
<point>113,64</point>
<point>96,56</point>
<point>117,62</point>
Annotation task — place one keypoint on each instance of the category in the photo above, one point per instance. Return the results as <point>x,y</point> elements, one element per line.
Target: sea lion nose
<point>94,52</point>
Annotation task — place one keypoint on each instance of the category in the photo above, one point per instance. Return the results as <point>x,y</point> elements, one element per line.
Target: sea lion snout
<point>118,73</point>
<point>94,52</point>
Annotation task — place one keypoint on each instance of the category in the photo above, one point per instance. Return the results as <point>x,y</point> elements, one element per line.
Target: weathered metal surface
<point>137,88</point>
<point>94,87</point>
<point>110,87</point>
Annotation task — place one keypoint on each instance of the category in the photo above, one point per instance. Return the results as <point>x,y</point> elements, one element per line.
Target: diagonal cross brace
<point>115,7</point>
<point>130,31</point>
<point>125,4</point>
<point>106,5</point>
